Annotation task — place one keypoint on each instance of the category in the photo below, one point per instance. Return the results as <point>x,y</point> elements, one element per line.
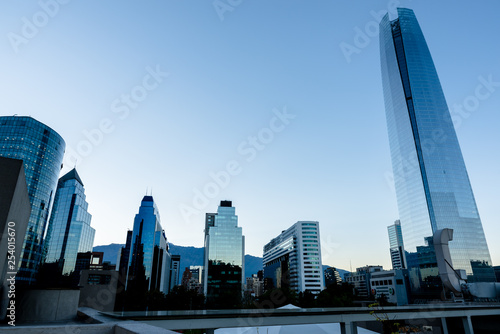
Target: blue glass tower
<point>223,277</point>
<point>41,149</point>
<point>69,230</point>
<point>432,186</point>
<point>149,263</point>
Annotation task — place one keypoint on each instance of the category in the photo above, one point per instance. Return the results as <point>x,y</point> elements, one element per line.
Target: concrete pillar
<point>467,322</point>
<point>348,328</point>
<point>444,325</point>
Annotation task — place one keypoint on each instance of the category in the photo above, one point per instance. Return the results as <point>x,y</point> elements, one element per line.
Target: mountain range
<point>191,256</point>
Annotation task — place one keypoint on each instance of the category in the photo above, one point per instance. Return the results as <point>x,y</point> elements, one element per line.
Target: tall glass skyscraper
<point>41,149</point>
<point>396,245</point>
<point>224,258</point>
<point>69,230</point>
<point>432,186</point>
<point>149,263</point>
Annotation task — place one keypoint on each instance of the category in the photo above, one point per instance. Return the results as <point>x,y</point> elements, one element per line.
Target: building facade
<point>332,276</point>
<point>175,263</point>
<point>69,230</point>
<point>432,186</point>
<point>396,246</point>
<point>293,259</point>
<point>224,257</point>
<point>360,280</point>
<point>149,262</point>
<point>41,149</point>
<point>393,284</point>
<point>15,211</point>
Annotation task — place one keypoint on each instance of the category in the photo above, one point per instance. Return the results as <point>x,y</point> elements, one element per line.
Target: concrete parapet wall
<point>47,306</point>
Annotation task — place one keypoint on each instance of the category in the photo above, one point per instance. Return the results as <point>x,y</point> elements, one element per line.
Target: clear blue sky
<point>85,65</point>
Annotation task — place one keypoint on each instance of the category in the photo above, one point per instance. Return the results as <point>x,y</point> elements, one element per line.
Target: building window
<point>98,279</point>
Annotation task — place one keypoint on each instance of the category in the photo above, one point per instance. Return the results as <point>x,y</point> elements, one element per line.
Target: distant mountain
<point>190,256</point>
<point>110,252</point>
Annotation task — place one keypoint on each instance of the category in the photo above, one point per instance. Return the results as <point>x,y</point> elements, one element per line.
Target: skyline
<point>330,163</point>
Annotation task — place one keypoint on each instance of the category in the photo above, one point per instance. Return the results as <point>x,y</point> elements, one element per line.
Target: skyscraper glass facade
<point>396,245</point>
<point>41,150</point>
<point>224,257</point>
<point>432,186</point>
<point>69,230</point>
<point>149,263</point>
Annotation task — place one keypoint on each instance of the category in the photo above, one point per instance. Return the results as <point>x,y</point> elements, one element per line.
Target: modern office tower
<point>149,264</point>
<point>41,149</point>
<point>69,230</point>
<point>125,255</point>
<point>432,186</point>
<point>396,246</point>
<point>223,279</point>
<point>174,271</point>
<point>293,259</point>
<point>332,276</point>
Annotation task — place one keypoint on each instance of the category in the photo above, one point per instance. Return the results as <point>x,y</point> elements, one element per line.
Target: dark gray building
<point>15,212</point>
<point>41,149</point>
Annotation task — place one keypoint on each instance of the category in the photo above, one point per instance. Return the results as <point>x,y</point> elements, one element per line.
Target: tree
<point>276,298</point>
<point>336,296</point>
<point>307,299</point>
<point>181,299</point>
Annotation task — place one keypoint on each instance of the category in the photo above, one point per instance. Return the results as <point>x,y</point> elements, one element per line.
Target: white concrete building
<point>293,259</point>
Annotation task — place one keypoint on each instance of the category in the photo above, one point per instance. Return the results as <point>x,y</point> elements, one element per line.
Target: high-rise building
<point>332,276</point>
<point>41,149</point>
<point>125,255</point>
<point>223,274</point>
<point>174,271</point>
<point>149,264</point>
<point>396,246</point>
<point>293,259</point>
<point>69,230</point>
<point>432,186</point>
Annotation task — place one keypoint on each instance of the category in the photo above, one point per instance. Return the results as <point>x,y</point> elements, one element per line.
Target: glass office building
<point>432,186</point>
<point>396,246</point>
<point>149,263</point>
<point>224,258</point>
<point>69,230</point>
<point>41,150</point>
